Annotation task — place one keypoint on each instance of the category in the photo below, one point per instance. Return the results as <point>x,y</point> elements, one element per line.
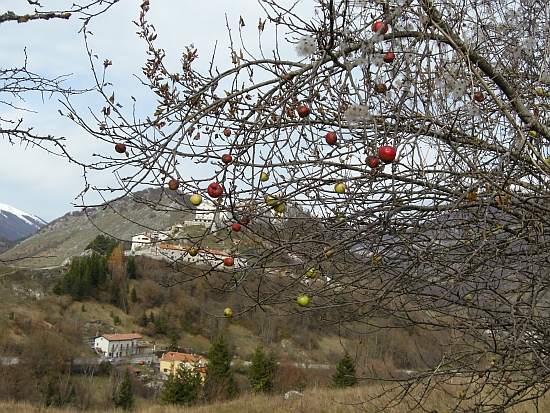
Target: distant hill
<point>16,224</point>
<point>68,235</point>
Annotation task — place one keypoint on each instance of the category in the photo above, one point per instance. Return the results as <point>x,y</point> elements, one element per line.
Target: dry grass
<point>316,400</point>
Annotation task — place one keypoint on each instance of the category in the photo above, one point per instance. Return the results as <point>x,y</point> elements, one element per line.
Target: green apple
<point>228,313</point>
<point>264,177</point>
<point>311,273</point>
<point>272,200</point>
<point>469,297</point>
<point>193,251</point>
<point>195,199</point>
<point>303,301</point>
<point>280,208</point>
<point>340,188</point>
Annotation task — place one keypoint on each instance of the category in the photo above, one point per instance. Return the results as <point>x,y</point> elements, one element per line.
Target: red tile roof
<point>172,355</point>
<point>120,337</point>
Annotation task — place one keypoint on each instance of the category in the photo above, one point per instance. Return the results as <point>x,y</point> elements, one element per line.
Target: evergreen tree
<point>344,376</point>
<point>113,294</point>
<point>219,376</point>
<point>133,295</point>
<point>124,397</point>
<point>102,245</point>
<point>131,269</point>
<point>48,393</point>
<point>161,322</point>
<point>143,320</point>
<point>262,370</point>
<point>183,388</point>
<point>174,345</point>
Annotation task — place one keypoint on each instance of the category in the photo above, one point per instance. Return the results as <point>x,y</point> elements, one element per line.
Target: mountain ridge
<point>16,224</point>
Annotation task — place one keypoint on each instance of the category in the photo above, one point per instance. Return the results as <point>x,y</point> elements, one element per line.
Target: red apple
<point>478,97</point>
<point>214,190</point>
<point>381,88</point>
<point>227,132</point>
<point>372,161</point>
<point>228,262</point>
<point>389,57</point>
<point>303,111</point>
<point>236,227</point>
<point>387,154</point>
<point>331,138</point>
<point>287,77</point>
<point>173,184</point>
<point>245,220</point>
<point>120,148</point>
<point>226,158</point>
<point>380,27</point>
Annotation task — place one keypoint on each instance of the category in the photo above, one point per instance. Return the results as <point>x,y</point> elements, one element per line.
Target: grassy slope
<point>313,400</point>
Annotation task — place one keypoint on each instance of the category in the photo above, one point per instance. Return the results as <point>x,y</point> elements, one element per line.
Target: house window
<point>166,370</point>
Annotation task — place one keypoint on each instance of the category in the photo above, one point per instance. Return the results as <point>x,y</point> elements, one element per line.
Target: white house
<point>147,238</point>
<point>117,345</point>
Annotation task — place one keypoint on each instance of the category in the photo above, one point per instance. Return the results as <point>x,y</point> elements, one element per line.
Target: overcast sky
<point>45,185</point>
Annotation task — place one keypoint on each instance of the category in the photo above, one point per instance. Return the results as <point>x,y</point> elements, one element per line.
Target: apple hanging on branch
<point>192,251</point>
<point>228,313</point>
<point>331,138</point>
<point>120,148</point>
<point>478,96</point>
<point>173,184</point>
<point>381,88</point>
<point>372,161</point>
<point>280,208</point>
<point>214,190</point>
<point>380,27</point>
<point>340,188</point>
<point>302,301</point>
<point>195,199</point>
<point>264,177</point>
<point>387,154</point>
<point>227,132</point>
<point>228,261</point>
<point>303,111</point>
<point>236,227</point>
<point>389,57</point>
<point>226,158</point>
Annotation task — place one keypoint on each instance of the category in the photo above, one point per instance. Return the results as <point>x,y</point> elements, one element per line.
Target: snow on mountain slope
<point>15,224</point>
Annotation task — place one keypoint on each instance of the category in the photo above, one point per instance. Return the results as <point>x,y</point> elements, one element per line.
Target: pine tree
<point>131,269</point>
<point>345,373</point>
<point>133,295</point>
<point>262,370</point>
<point>219,382</point>
<point>183,388</point>
<point>124,397</point>
<point>174,345</point>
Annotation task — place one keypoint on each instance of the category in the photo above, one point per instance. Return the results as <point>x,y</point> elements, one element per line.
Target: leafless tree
<point>18,81</point>
<point>451,235</point>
